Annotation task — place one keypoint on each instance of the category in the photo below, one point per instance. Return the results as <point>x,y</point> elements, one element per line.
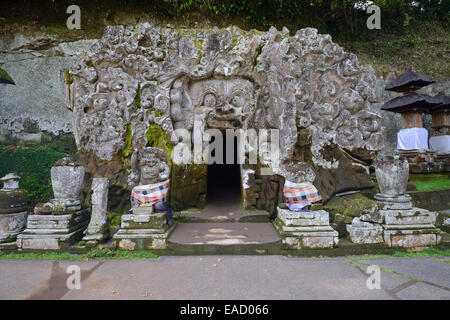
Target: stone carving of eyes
<point>237,100</point>
<point>209,100</point>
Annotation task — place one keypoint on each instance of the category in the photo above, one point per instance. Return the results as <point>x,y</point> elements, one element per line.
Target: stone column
<point>98,230</point>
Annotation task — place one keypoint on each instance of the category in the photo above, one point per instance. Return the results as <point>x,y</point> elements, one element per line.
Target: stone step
<point>215,215</point>
<point>224,234</point>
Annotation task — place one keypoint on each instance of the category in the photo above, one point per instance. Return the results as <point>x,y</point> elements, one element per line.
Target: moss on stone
<point>255,58</point>
<point>156,137</point>
<point>128,149</point>
<point>352,205</point>
<point>4,75</point>
<point>68,77</point>
<point>137,97</point>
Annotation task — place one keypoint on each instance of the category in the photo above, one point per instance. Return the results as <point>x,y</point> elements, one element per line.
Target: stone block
<point>53,232</point>
<point>11,225</point>
<point>142,230</point>
<point>305,229</point>
<point>313,218</point>
<point>399,202</point>
<point>374,217</point>
<point>412,238</point>
<point>362,232</point>
<point>156,221</point>
<point>140,239</point>
<point>408,217</point>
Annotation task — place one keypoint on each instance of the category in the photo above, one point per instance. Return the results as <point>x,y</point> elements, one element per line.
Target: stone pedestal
<point>98,230</point>
<point>397,223</point>
<point>305,229</point>
<point>406,226</point>
<point>142,230</point>
<point>55,231</point>
<point>13,211</point>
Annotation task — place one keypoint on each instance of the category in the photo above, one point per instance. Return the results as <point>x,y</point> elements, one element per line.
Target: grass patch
<point>430,181</point>
<point>97,253</point>
<point>430,252</point>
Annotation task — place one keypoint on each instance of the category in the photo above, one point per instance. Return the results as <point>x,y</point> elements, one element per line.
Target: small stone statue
<point>148,167</point>
<point>299,191</point>
<point>150,180</point>
<point>10,181</point>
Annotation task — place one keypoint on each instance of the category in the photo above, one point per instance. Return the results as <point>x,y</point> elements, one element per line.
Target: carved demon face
<point>226,103</point>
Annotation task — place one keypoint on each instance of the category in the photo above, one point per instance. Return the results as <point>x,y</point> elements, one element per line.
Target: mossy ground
<point>93,254</point>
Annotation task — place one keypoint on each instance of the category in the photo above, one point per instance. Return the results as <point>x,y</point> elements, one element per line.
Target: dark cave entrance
<point>224,180</point>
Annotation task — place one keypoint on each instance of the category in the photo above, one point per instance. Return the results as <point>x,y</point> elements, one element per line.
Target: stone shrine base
<point>142,230</point>
<point>53,232</point>
<point>11,225</point>
<point>305,229</point>
<point>398,224</point>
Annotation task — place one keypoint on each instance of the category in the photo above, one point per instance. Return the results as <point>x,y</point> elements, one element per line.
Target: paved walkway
<point>228,277</point>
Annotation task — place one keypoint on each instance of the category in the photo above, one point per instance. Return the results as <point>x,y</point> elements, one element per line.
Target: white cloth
<point>440,143</point>
<point>412,139</point>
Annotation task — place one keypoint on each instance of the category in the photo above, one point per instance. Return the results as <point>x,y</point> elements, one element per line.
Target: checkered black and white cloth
<point>300,195</point>
<point>150,194</point>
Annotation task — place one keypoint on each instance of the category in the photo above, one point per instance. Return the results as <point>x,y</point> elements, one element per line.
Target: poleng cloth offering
<point>300,195</point>
<point>149,194</point>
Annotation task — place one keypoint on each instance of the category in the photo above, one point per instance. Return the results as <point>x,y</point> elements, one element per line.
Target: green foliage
<point>32,164</point>
<point>114,220</point>
<point>430,181</point>
<point>5,75</point>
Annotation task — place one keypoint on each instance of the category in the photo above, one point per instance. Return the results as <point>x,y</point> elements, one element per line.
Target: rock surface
<point>35,62</point>
<point>140,77</point>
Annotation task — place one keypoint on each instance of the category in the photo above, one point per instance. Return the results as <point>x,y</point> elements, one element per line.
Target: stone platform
<point>142,230</point>
<point>53,232</point>
<point>305,229</point>
<point>398,224</point>
<point>224,234</point>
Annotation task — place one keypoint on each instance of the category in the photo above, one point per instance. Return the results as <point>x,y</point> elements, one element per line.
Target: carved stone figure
<point>149,167</point>
<point>138,77</point>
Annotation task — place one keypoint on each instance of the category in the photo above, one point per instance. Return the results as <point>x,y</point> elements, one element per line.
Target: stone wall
<point>35,104</point>
<point>434,200</point>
